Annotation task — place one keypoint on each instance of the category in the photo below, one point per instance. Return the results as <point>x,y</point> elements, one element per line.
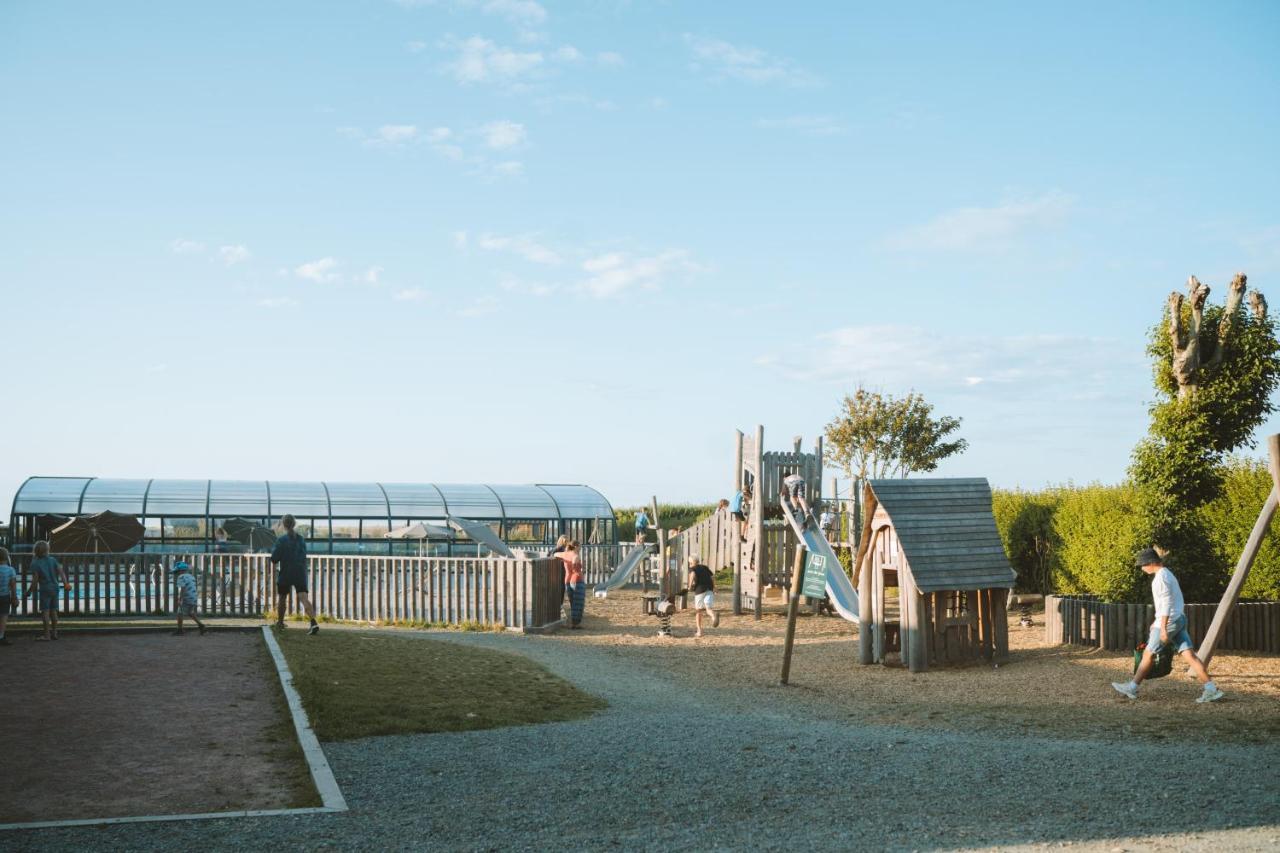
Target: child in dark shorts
<point>49,579</point>
<point>185,584</point>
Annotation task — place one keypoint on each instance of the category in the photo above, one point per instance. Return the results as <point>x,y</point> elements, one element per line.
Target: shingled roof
<point>947,532</point>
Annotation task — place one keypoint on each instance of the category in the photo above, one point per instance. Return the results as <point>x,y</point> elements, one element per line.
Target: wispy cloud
<point>322,271</point>
<point>186,247</point>
<point>480,307</point>
<point>479,60</point>
<point>372,276</point>
<point>721,60</point>
<point>522,13</point>
<point>901,357</point>
<point>610,59</point>
<point>811,125</point>
<point>615,273</point>
<point>410,294</point>
<point>982,229</point>
<point>416,46</point>
<point>503,134</point>
<point>232,255</point>
<point>277,302</point>
<point>567,53</point>
<point>523,245</point>
<point>386,136</point>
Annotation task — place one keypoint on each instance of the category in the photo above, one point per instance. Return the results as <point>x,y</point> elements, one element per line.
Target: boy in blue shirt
<point>185,585</point>
<point>642,527</point>
<point>50,579</point>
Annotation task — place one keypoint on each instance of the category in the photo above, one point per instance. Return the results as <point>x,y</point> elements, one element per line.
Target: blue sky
<point>513,241</point>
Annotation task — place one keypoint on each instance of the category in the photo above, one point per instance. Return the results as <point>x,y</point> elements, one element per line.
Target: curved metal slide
<point>481,533</point>
<point>840,591</point>
<point>623,572</point>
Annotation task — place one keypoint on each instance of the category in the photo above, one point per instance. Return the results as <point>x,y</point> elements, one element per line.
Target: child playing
<point>737,507</point>
<point>1170,627</point>
<point>8,593</point>
<point>642,527</point>
<point>185,585</point>
<point>50,579</point>
<point>703,584</point>
<point>793,489</point>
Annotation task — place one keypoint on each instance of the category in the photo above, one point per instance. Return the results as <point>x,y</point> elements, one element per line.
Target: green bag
<point>1161,661</point>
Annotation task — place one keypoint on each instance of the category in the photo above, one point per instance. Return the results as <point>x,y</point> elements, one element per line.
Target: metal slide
<point>840,591</point>
<point>623,572</point>
<point>483,534</point>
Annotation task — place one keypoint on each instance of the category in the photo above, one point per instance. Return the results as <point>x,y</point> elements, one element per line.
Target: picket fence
<point>1084,620</point>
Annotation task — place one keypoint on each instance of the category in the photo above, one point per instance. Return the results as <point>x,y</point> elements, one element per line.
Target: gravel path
<point>675,765</point>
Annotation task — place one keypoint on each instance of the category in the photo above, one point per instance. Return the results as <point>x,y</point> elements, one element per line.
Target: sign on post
<point>815,576</point>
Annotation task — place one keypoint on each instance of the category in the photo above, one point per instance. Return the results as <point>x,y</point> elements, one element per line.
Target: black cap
<point>1147,557</point>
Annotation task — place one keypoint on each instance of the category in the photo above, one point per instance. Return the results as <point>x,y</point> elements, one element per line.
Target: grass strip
<point>358,684</point>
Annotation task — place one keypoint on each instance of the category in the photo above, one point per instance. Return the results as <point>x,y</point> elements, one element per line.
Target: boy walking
<point>1170,628</point>
<point>50,580</point>
<point>185,583</point>
<point>290,552</point>
<point>703,584</point>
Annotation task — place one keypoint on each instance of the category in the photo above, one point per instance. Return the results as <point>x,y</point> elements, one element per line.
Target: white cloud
<point>479,60</point>
<point>982,229</point>
<point>722,60</point>
<point>903,357</point>
<point>321,271</point>
<point>417,46</point>
<point>523,13</point>
<point>659,103</point>
<point>508,169</point>
<point>278,302</point>
<point>460,240</point>
<point>609,59</point>
<point>812,125</point>
<point>523,245</point>
<point>396,134</point>
<point>567,53</point>
<point>480,307</point>
<point>530,288</point>
<point>503,134</point>
<point>232,255</point>
<point>186,247</point>
<point>373,275</point>
<point>410,294</point>
<point>439,134</point>
<point>614,273</point>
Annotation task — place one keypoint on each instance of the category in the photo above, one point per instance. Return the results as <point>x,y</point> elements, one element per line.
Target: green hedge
<point>672,515</point>
<point>1082,539</point>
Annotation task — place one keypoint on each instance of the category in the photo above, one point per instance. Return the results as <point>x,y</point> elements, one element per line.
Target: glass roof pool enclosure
<point>337,518</point>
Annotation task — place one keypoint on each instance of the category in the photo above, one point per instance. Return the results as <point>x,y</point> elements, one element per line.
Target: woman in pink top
<point>575,582</point>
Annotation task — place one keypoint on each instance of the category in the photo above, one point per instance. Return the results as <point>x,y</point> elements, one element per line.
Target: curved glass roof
<point>271,499</point>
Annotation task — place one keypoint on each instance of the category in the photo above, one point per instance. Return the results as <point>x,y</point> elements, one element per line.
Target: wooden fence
<point>515,593</point>
<point>1084,620</point>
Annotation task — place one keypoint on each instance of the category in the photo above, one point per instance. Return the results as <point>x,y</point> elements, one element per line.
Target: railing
<point>1084,620</point>
<point>515,593</point>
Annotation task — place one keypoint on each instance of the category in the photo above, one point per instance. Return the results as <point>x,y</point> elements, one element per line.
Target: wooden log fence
<point>515,593</point>
<point>1084,620</point>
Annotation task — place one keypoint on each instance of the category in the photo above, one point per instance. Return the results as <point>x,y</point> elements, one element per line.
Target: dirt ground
<point>1047,689</point>
<point>120,725</point>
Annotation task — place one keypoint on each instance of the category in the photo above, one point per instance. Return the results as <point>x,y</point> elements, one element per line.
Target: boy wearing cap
<point>185,584</point>
<point>1170,627</point>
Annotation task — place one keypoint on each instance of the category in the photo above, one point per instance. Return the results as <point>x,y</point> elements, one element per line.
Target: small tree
<point>877,435</point>
<point>1215,369</point>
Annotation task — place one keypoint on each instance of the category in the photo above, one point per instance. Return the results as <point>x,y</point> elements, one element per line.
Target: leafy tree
<point>877,435</point>
<point>1216,368</point>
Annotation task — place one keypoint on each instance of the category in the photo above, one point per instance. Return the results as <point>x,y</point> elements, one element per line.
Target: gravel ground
<point>682,761</point>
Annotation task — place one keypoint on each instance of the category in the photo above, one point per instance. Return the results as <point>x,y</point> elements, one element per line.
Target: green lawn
<point>358,684</point>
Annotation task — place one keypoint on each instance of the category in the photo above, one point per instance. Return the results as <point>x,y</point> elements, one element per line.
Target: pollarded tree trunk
<point>1194,349</point>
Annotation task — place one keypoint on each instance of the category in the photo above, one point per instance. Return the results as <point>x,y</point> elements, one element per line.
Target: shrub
<point>1229,520</point>
<point>1100,531</point>
<point>1025,522</point>
<point>672,515</point>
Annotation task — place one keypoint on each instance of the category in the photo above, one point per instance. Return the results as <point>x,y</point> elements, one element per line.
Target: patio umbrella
<point>107,532</point>
<point>250,534</point>
<point>420,531</point>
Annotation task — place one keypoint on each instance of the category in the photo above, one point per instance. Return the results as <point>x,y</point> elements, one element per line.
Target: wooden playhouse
<point>932,574</point>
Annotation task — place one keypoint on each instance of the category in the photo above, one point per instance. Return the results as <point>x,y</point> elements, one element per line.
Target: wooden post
<point>735,531</point>
<point>758,497</point>
<point>1251,548</point>
<point>793,609</point>
<point>1000,624</point>
<point>862,575</point>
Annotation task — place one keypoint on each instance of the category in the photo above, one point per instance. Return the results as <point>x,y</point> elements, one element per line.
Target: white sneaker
<point>1210,695</point>
<point>1126,688</point>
